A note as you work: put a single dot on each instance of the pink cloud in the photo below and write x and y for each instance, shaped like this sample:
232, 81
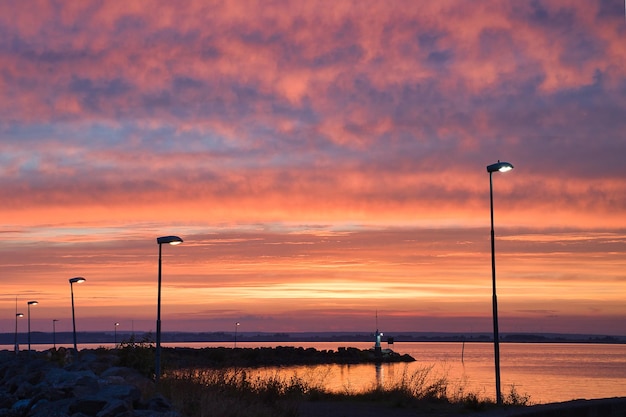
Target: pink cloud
373, 117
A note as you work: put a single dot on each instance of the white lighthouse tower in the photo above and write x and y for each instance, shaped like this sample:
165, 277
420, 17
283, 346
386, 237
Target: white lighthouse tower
377, 348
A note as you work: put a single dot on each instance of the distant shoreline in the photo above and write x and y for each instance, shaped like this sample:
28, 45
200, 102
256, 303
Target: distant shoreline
39, 338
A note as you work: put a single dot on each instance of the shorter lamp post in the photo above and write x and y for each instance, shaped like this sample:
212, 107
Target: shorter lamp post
236, 326
172, 240
17, 346
75, 280
54, 333
30, 303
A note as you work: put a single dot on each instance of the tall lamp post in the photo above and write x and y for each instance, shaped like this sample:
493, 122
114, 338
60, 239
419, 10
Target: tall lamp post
172, 240
17, 347
497, 167
30, 303
54, 333
75, 280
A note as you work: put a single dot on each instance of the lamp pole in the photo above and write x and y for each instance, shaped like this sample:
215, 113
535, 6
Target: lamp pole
54, 333
17, 347
236, 327
30, 303
497, 167
75, 280
172, 240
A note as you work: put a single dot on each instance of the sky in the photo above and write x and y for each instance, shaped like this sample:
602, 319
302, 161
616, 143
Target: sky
323, 161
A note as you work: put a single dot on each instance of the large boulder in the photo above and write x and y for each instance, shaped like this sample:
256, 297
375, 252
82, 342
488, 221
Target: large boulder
89, 385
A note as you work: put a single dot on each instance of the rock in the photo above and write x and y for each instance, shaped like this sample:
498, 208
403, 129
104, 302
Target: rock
20, 405
88, 406
86, 385
7, 400
89, 385
116, 408
159, 403
46, 408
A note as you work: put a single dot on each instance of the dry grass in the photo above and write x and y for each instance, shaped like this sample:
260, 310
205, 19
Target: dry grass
241, 392
238, 393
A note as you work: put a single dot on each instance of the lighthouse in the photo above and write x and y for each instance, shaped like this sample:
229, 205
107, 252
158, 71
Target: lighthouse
377, 349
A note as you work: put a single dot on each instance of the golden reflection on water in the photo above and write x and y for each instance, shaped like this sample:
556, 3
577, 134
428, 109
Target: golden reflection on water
545, 372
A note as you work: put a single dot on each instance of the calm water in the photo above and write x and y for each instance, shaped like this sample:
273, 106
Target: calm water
546, 372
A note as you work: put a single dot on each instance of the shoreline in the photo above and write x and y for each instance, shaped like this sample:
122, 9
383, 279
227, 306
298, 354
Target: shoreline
108, 338
97, 378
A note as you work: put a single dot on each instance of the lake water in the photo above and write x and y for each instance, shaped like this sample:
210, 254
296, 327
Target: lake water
547, 372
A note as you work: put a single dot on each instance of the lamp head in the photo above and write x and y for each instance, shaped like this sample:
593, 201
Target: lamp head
19, 314
499, 166
172, 240
77, 280
32, 303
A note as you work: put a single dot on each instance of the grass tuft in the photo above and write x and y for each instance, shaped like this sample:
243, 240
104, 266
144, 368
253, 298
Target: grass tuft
236, 392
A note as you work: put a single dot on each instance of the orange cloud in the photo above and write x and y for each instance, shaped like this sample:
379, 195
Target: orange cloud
331, 157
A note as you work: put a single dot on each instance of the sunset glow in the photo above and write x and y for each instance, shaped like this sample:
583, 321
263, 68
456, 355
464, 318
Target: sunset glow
323, 162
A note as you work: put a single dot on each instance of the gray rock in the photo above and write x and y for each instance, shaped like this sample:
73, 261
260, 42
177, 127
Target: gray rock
116, 408
87, 406
46, 408
21, 405
88, 385
129, 393
159, 403
7, 400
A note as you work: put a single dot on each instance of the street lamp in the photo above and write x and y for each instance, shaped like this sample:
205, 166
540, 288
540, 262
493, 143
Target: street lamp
172, 240
236, 326
54, 333
75, 280
115, 335
497, 167
17, 347
30, 303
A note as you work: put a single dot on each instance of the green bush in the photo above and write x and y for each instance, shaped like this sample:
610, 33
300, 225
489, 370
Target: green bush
139, 355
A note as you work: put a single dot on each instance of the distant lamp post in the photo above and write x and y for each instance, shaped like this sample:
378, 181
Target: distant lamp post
54, 333
17, 346
76, 280
172, 240
497, 167
115, 334
236, 326
30, 303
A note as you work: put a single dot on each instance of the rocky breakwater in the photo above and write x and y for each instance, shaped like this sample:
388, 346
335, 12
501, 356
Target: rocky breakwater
55, 383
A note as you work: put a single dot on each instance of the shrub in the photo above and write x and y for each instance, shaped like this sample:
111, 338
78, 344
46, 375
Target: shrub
139, 355
515, 398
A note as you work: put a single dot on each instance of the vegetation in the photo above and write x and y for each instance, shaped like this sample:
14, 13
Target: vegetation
238, 393
201, 391
233, 393
138, 354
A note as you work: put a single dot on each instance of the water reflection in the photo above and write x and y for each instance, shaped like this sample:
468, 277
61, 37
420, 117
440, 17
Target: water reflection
529, 367
548, 372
